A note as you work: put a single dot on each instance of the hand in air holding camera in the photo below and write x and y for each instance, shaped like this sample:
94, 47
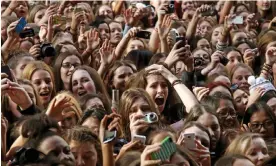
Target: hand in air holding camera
270, 55
35, 50
200, 153
249, 56
114, 125
177, 53
202, 9
145, 156
16, 93
132, 32
77, 17
137, 124
164, 27
216, 58
11, 30
50, 11
251, 21
228, 24
132, 145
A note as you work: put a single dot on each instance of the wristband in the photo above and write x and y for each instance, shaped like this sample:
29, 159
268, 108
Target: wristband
175, 82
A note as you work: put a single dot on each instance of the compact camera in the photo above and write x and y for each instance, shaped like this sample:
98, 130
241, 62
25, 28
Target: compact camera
151, 117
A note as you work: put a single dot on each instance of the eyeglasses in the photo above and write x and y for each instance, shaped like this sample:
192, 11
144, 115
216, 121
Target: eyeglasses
69, 65
226, 113
258, 126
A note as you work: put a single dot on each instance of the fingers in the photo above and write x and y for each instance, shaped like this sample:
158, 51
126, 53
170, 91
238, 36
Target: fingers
4, 75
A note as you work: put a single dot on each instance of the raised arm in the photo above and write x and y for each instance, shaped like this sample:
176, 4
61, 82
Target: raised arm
123, 43
225, 10
163, 30
186, 96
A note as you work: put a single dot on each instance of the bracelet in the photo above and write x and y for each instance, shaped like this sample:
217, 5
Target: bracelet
175, 82
10, 8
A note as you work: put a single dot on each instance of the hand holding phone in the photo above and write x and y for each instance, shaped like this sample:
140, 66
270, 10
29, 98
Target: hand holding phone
143, 34
190, 140
168, 148
20, 26
109, 128
6, 69
238, 20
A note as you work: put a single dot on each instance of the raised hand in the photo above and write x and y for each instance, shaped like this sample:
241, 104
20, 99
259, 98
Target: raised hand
11, 30
50, 11
270, 55
251, 21
176, 54
249, 56
145, 156
93, 40
202, 9
128, 147
55, 109
77, 17
228, 25
215, 58
35, 50
132, 32
16, 93
43, 32
106, 52
137, 123
114, 125
255, 95
164, 27
200, 92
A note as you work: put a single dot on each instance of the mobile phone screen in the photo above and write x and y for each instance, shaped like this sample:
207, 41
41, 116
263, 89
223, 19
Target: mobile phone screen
21, 24
7, 70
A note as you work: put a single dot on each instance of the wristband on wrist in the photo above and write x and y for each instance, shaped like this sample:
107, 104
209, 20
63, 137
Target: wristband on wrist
175, 82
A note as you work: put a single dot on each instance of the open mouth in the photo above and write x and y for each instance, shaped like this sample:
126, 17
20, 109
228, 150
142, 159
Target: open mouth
44, 94
81, 93
159, 100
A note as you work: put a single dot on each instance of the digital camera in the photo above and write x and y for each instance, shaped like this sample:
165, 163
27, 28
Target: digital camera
151, 117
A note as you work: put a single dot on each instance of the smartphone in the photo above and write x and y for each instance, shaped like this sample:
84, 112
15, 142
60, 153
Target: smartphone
174, 34
171, 7
190, 140
238, 20
6, 69
109, 135
21, 24
59, 19
27, 33
141, 138
182, 39
168, 148
143, 34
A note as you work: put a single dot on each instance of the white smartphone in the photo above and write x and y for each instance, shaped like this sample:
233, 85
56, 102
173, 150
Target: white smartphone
109, 136
190, 140
141, 138
238, 20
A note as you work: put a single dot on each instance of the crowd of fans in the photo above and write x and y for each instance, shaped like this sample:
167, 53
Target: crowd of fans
138, 83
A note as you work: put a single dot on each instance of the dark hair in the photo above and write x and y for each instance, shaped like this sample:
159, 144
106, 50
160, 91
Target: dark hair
84, 99
270, 162
94, 76
109, 75
229, 160
83, 134
257, 107
227, 50
213, 85
38, 128
199, 110
159, 130
57, 66
268, 95
156, 58
98, 113
140, 58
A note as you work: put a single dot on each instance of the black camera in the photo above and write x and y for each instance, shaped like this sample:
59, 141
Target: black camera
171, 7
198, 61
47, 50
26, 156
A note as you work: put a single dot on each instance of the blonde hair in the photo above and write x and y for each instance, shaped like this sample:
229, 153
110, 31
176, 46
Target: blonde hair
75, 107
38, 65
241, 143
